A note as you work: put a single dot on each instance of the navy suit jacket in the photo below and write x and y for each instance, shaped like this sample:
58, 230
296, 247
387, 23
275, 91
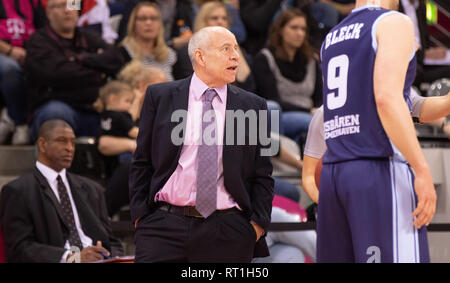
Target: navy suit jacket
33, 223
247, 174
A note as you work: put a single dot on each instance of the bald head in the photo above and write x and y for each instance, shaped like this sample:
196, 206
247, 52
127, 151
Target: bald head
215, 55
56, 143
202, 39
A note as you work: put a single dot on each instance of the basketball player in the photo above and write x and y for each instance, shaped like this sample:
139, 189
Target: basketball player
423, 110
367, 210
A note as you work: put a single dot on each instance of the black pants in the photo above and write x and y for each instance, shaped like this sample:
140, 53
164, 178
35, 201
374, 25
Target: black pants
166, 237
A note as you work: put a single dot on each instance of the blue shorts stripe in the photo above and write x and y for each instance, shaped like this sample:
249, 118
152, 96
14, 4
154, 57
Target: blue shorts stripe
413, 205
394, 213
406, 236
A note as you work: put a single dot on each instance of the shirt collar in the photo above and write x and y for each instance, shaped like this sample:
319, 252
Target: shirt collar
201, 87
49, 173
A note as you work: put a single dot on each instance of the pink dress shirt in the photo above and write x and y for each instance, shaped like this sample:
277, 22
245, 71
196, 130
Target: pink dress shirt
180, 189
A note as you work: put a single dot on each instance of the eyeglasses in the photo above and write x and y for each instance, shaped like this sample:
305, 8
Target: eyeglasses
216, 18
59, 6
146, 18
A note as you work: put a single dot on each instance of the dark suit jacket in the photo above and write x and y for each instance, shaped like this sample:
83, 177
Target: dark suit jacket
247, 174
32, 223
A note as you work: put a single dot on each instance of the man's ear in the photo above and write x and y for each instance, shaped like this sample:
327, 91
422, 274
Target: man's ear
199, 57
41, 143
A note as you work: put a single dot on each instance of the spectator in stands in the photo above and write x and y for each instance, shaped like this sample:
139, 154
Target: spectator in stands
177, 17
66, 67
320, 16
18, 23
257, 16
139, 77
344, 7
64, 211
145, 39
114, 103
95, 15
214, 13
288, 75
111, 147
236, 26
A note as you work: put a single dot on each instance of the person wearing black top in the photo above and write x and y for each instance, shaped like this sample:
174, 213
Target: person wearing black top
215, 13
288, 75
65, 67
114, 103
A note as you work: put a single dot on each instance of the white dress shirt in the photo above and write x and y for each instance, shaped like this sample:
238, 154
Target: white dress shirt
51, 176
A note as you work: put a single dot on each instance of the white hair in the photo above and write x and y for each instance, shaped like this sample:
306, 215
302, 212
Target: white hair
201, 40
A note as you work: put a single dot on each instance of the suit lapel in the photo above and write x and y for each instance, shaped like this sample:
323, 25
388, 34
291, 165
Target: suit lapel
232, 104
88, 219
48, 192
180, 100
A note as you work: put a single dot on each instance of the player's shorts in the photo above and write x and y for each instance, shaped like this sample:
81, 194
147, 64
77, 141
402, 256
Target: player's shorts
365, 213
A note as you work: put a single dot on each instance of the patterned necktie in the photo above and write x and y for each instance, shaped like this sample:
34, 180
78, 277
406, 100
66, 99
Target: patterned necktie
206, 197
74, 238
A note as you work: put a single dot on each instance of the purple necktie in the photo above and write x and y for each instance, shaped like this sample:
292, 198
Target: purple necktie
206, 198
66, 206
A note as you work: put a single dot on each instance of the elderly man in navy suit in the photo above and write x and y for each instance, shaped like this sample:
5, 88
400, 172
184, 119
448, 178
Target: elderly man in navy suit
199, 200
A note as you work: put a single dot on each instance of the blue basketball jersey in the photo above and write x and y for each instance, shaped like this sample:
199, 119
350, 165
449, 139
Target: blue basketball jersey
352, 127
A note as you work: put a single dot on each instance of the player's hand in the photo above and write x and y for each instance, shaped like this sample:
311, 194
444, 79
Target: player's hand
314, 195
426, 195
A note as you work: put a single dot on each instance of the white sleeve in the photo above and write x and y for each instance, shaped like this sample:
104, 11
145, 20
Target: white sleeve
64, 257
315, 142
416, 103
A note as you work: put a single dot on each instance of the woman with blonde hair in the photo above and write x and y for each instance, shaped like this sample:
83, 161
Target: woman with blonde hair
145, 39
139, 77
134, 77
214, 13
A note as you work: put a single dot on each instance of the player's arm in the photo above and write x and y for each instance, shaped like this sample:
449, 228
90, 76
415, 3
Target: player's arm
308, 177
434, 108
315, 148
395, 38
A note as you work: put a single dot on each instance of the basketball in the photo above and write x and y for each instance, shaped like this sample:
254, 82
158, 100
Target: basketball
317, 172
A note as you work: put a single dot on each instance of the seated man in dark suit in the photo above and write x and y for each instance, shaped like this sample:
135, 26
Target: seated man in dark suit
49, 213
198, 199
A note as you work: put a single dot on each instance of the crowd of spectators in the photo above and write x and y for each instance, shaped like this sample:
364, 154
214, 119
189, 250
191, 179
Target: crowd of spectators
58, 62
